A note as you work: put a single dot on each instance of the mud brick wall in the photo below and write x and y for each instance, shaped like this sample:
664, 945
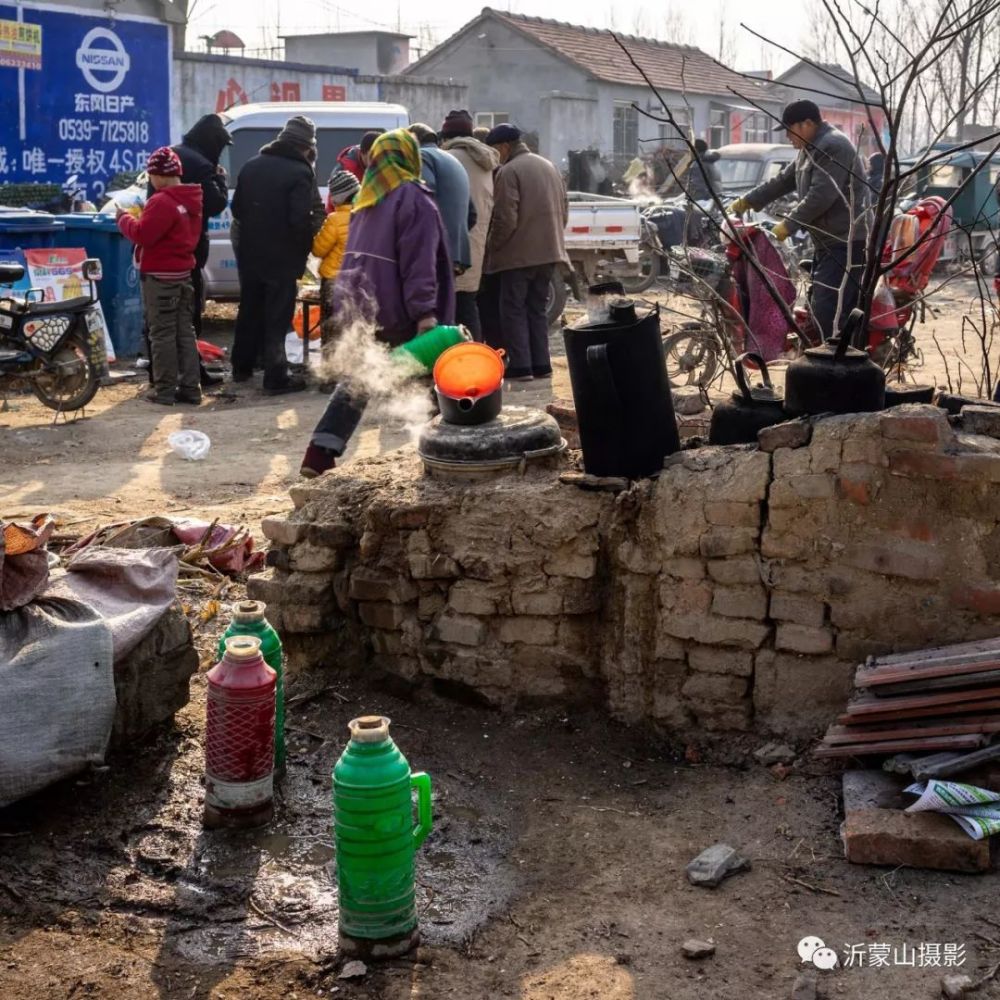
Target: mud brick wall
738, 590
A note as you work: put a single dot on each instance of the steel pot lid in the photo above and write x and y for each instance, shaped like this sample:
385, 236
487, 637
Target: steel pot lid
515, 431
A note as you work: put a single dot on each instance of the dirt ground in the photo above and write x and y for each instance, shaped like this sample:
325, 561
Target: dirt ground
556, 867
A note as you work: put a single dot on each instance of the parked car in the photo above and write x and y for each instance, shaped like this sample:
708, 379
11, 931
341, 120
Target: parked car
744, 165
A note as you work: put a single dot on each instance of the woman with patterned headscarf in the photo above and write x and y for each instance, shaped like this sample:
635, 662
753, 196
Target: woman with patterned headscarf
396, 274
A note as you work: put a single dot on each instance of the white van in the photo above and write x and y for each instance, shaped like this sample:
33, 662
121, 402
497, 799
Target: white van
338, 125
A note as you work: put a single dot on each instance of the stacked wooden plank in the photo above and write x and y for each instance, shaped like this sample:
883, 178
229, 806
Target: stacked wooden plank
946, 698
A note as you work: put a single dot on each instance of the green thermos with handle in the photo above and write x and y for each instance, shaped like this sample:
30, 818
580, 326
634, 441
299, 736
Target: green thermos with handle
427, 347
376, 840
248, 619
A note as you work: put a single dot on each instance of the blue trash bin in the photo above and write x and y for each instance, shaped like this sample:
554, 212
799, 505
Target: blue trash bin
28, 230
119, 290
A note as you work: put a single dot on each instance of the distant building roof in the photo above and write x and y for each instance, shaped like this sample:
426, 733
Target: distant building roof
349, 34
837, 80
595, 51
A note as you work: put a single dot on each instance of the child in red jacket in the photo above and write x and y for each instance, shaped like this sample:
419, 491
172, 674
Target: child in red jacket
165, 236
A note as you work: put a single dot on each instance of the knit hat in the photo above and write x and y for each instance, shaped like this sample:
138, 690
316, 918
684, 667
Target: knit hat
342, 186
164, 162
503, 133
299, 130
457, 123
368, 140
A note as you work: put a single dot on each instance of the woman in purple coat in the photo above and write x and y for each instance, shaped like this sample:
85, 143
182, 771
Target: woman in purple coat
396, 265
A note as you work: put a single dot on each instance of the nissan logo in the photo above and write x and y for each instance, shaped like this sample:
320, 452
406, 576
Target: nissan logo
96, 63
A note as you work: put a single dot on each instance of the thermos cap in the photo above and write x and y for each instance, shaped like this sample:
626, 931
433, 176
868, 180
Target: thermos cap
369, 729
242, 647
248, 611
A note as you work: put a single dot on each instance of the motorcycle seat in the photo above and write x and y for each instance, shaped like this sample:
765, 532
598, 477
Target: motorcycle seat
49, 308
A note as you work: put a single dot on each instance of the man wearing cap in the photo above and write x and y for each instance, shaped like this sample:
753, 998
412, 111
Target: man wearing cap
525, 244
278, 211
829, 182
479, 162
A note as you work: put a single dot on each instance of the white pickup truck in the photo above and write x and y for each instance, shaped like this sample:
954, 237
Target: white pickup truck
603, 240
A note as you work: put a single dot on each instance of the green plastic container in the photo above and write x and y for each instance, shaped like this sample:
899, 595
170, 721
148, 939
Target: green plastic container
427, 347
248, 619
376, 840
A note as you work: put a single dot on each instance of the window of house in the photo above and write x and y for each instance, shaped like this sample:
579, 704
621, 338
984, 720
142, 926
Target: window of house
626, 130
758, 127
490, 119
718, 128
669, 136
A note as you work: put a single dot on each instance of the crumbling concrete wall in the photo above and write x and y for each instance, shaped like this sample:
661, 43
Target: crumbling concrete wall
740, 589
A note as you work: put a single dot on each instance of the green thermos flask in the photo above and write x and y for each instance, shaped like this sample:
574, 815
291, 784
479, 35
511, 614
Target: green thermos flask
376, 839
248, 619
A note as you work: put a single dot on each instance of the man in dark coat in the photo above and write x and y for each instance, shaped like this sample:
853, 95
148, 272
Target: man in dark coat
199, 151
278, 210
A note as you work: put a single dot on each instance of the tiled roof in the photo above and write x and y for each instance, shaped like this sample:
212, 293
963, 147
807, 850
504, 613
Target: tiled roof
671, 67
835, 79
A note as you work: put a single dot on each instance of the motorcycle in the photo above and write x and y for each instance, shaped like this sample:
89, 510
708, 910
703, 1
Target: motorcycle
55, 349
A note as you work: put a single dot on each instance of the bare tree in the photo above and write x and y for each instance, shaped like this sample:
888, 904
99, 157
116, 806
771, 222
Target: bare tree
728, 43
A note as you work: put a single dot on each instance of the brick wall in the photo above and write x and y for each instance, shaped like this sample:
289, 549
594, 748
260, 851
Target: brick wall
737, 591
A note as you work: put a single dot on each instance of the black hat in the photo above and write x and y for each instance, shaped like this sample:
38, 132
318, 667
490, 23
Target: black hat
503, 133
797, 112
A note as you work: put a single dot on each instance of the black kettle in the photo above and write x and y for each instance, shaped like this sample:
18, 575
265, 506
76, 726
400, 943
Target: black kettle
737, 420
835, 377
618, 372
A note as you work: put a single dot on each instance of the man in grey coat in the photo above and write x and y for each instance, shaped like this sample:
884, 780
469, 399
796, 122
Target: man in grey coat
527, 241
830, 185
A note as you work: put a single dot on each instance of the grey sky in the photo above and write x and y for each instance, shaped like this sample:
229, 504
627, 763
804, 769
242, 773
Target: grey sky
257, 21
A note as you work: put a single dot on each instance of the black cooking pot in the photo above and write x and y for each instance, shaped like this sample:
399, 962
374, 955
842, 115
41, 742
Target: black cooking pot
470, 410
737, 420
619, 377
899, 393
835, 377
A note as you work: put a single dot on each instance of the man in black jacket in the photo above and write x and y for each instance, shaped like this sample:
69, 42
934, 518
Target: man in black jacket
278, 210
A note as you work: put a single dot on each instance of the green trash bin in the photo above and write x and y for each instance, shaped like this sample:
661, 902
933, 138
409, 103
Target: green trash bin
119, 290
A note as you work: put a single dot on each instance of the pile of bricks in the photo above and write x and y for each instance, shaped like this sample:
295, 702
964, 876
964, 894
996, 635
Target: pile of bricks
737, 590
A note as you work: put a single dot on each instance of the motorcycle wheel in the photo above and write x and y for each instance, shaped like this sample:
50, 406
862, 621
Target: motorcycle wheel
649, 272
692, 356
556, 302
75, 382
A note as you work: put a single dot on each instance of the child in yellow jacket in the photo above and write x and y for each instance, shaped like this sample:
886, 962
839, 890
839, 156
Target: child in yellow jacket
331, 241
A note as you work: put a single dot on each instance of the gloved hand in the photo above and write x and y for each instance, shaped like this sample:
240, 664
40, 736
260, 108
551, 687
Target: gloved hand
739, 207
782, 230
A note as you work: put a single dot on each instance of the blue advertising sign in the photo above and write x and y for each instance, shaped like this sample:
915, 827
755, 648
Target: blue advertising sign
98, 106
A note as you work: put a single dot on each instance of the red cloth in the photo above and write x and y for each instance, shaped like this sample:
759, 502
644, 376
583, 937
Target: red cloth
168, 230
350, 160
765, 324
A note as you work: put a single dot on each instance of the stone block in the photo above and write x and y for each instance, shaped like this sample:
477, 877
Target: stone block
152, 681
790, 462
388, 643
307, 619
462, 630
424, 566
981, 420
532, 631
280, 588
308, 557
740, 570
332, 534
982, 600
370, 584
797, 696
571, 563
549, 602
688, 400
876, 831
430, 605
719, 542
856, 491
710, 630
684, 568
897, 557
717, 717
382, 614
799, 610
564, 412
740, 602
283, 531
715, 660
982, 467
408, 518
669, 648
864, 451
580, 597
921, 423
824, 453
733, 515
776, 544
473, 597
715, 687
790, 434
684, 597
803, 639
714, 864
814, 486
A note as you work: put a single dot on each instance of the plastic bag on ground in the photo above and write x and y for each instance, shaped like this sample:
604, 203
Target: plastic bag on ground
192, 445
